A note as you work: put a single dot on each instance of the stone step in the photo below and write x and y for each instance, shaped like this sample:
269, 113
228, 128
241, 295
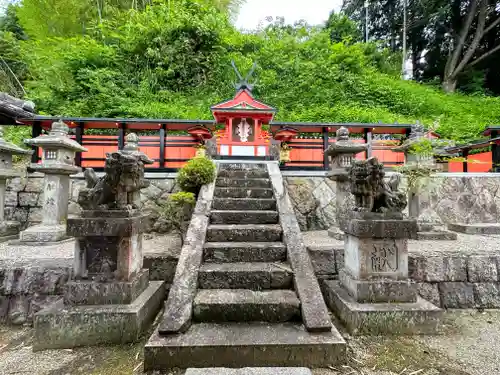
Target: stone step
244, 305
244, 204
243, 182
249, 344
228, 252
244, 217
243, 173
254, 276
249, 371
244, 233
242, 166
241, 192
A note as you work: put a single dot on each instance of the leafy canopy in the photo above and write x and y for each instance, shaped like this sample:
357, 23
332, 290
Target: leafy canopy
171, 59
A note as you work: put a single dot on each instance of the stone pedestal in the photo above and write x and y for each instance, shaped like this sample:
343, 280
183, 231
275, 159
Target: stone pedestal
110, 300
344, 203
426, 230
374, 294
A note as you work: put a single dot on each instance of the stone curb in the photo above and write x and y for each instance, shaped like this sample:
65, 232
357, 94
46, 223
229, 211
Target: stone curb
314, 311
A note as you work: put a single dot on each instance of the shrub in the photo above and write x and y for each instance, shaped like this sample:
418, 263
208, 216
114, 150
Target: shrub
176, 214
196, 173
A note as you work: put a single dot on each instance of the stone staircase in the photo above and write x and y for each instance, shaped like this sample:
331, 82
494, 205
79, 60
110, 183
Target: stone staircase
246, 309
245, 275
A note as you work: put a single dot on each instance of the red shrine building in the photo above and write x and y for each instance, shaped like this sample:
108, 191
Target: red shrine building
243, 117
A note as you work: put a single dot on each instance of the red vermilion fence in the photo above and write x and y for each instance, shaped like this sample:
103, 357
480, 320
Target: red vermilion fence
170, 151
309, 152
481, 162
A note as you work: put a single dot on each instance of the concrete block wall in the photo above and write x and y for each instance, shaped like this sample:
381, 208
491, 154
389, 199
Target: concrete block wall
448, 281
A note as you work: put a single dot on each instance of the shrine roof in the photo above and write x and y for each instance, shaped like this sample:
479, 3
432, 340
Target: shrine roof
182, 124
106, 123
472, 145
242, 101
377, 128
491, 128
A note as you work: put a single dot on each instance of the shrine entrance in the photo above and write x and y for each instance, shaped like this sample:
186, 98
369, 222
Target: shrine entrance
243, 117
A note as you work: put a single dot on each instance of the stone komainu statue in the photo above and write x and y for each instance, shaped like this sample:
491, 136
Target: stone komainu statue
120, 187
372, 193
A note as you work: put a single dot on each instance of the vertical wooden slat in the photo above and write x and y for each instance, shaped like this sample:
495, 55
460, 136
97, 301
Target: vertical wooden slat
465, 154
121, 135
326, 161
367, 136
79, 138
163, 131
36, 131
495, 153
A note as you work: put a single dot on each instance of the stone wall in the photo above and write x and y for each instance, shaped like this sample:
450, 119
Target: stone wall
27, 287
461, 198
449, 280
24, 198
313, 200
445, 198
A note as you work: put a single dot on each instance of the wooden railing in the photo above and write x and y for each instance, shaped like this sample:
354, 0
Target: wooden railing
161, 141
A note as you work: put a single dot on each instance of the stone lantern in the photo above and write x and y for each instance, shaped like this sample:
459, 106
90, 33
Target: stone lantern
58, 155
342, 154
8, 229
427, 229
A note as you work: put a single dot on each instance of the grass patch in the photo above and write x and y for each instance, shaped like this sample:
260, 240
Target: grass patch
399, 353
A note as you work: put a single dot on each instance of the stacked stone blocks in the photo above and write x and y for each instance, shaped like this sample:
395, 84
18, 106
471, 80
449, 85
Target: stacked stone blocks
446, 280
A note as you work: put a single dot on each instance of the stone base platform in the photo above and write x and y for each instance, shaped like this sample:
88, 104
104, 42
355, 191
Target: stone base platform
12, 237
239, 345
9, 230
250, 371
60, 326
478, 228
437, 235
336, 233
18, 242
421, 317
44, 233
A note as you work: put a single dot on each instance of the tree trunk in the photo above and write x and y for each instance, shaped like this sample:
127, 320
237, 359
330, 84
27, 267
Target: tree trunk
449, 85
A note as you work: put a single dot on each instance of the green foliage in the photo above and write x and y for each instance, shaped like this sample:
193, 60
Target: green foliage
182, 198
342, 29
171, 59
196, 173
176, 213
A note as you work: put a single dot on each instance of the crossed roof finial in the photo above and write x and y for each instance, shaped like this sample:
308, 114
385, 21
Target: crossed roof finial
243, 82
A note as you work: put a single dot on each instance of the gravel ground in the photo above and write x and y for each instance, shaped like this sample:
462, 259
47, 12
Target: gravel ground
468, 345
465, 244
64, 252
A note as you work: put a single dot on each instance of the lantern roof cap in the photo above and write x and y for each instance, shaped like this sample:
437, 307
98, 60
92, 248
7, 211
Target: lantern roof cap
344, 145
